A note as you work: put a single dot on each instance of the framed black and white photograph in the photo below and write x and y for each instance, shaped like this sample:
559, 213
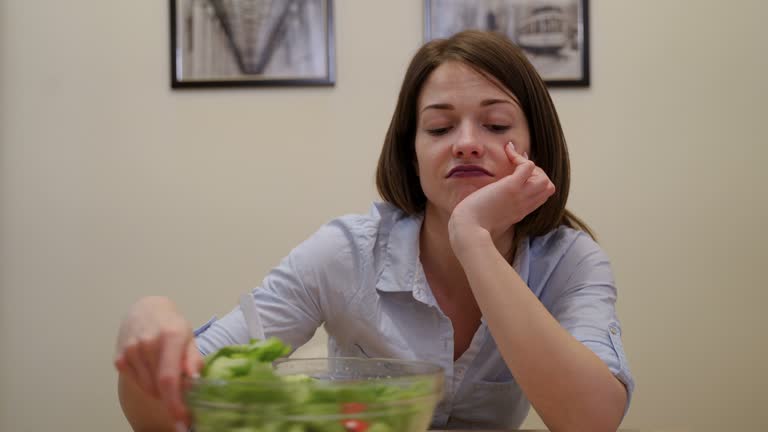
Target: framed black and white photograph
221, 43
553, 33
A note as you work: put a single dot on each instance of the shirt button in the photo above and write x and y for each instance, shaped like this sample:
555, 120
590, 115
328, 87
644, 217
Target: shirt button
459, 373
614, 331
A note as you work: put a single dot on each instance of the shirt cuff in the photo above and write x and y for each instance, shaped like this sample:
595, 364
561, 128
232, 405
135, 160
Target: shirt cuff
200, 330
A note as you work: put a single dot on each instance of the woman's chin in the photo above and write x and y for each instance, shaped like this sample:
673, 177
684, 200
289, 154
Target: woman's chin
448, 205
464, 192
458, 198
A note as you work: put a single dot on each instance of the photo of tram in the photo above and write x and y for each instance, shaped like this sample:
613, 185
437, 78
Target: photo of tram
546, 31
553, 33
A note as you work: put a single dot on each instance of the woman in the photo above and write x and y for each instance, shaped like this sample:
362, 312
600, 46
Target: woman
472, 262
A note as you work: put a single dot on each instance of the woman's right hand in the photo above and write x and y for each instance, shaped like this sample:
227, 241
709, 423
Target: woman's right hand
156, 349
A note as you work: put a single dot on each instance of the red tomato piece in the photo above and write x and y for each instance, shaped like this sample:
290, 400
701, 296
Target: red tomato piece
355, 425
353, 407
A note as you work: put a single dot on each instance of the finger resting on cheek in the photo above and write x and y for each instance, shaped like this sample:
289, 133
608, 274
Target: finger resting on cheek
529, 167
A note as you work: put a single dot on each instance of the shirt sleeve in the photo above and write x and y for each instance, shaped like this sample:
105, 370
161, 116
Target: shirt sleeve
295, 298
582, 294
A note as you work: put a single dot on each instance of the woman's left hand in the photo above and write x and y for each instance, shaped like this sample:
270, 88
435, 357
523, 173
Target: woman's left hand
497, 207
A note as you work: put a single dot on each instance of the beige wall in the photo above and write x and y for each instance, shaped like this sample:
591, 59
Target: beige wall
113, 186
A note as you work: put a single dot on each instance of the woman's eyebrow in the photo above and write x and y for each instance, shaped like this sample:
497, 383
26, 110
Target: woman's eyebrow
484, 103
496, 101
439, 106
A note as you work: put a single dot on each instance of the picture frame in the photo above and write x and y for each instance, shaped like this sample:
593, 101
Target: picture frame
554, 34
234, 43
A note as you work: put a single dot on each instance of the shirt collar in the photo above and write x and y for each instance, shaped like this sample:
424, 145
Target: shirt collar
402, 267
402, 270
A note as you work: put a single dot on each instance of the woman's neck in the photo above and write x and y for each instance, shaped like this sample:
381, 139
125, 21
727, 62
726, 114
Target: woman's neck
433, 241
437, 256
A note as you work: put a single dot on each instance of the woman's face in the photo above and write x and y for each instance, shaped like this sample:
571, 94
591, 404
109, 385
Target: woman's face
463, 123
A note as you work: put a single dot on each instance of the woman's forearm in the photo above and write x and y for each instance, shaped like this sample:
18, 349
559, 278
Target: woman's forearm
568, 385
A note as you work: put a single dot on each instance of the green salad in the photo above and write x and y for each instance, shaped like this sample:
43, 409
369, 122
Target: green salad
240, 391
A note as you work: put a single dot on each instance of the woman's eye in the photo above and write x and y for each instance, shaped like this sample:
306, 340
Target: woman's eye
497, 128
438, 131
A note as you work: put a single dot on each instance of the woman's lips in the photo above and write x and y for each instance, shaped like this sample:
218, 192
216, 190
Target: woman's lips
468, 171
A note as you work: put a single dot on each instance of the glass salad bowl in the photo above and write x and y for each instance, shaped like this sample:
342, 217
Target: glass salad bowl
315, 395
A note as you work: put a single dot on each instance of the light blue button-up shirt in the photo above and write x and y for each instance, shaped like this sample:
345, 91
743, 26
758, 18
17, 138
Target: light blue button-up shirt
360, 276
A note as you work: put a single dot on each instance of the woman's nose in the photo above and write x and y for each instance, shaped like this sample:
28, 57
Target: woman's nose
468, 143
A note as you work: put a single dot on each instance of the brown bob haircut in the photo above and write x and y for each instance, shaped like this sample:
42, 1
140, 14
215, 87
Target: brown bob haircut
505, 65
